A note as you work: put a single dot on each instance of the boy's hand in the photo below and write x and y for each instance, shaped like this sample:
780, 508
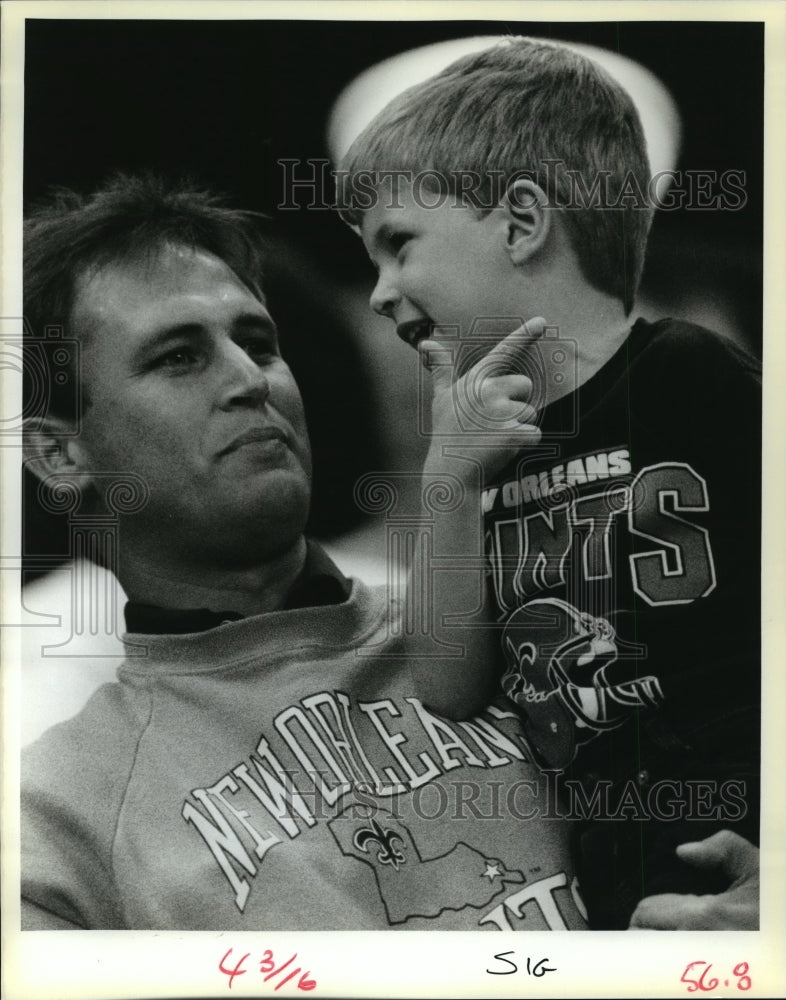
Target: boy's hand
735, 909
480, 422
492, 397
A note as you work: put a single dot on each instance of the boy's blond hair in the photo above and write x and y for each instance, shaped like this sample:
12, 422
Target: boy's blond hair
523, 108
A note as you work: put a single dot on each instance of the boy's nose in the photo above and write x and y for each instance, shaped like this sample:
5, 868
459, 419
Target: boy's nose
384, 297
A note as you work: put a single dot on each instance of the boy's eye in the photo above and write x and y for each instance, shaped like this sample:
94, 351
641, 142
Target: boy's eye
397, 241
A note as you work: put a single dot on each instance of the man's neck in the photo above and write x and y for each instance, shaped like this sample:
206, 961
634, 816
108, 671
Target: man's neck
250, 590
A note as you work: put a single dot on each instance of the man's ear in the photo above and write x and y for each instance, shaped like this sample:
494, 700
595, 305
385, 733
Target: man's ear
51, 448
528, 219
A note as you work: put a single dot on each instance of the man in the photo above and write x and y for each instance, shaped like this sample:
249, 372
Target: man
267, 764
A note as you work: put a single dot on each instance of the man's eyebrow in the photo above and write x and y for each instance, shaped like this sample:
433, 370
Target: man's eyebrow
193, 330
165, 334
255, 321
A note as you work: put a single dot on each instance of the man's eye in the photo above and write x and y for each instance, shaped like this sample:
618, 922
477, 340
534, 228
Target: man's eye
260, 351
180, 358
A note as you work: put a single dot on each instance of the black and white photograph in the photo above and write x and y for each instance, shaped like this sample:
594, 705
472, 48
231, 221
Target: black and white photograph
391, 492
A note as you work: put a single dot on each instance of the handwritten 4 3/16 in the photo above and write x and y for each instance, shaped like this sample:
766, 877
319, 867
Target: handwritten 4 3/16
268, 969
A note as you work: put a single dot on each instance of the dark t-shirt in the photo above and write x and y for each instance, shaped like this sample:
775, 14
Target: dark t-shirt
625, 554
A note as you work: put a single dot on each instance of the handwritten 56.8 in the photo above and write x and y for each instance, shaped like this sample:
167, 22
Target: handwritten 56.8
700, 979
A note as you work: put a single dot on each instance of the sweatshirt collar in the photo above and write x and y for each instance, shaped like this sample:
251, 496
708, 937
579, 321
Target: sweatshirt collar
320, 583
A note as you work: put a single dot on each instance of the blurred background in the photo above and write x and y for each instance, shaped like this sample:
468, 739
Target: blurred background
225, 101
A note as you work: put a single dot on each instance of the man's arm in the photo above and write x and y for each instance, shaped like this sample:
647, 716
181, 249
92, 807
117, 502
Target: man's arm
735, 909
459, 685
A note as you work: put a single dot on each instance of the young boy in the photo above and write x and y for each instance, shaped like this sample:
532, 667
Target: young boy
624, 546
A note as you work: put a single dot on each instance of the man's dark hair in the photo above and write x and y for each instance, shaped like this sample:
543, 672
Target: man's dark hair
129, 217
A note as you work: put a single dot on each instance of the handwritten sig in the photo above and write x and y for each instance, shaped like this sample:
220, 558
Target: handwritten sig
268, 969
538, 969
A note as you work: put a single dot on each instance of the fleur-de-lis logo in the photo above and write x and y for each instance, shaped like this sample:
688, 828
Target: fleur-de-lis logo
387, 853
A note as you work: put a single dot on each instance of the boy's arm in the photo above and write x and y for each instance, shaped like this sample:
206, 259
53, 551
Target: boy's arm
459, 685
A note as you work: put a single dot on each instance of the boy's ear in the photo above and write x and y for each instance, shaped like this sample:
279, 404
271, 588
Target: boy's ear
528, 219
51, 448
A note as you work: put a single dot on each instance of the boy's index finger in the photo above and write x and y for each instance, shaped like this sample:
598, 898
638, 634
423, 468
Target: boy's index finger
518, 342
439, 360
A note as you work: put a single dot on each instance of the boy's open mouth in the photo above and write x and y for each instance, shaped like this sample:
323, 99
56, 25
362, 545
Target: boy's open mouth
413, 331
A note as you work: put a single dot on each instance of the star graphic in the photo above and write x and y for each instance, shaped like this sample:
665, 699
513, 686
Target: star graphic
492, 871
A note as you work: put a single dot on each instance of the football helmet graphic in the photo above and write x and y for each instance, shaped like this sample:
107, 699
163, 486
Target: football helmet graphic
564, 674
